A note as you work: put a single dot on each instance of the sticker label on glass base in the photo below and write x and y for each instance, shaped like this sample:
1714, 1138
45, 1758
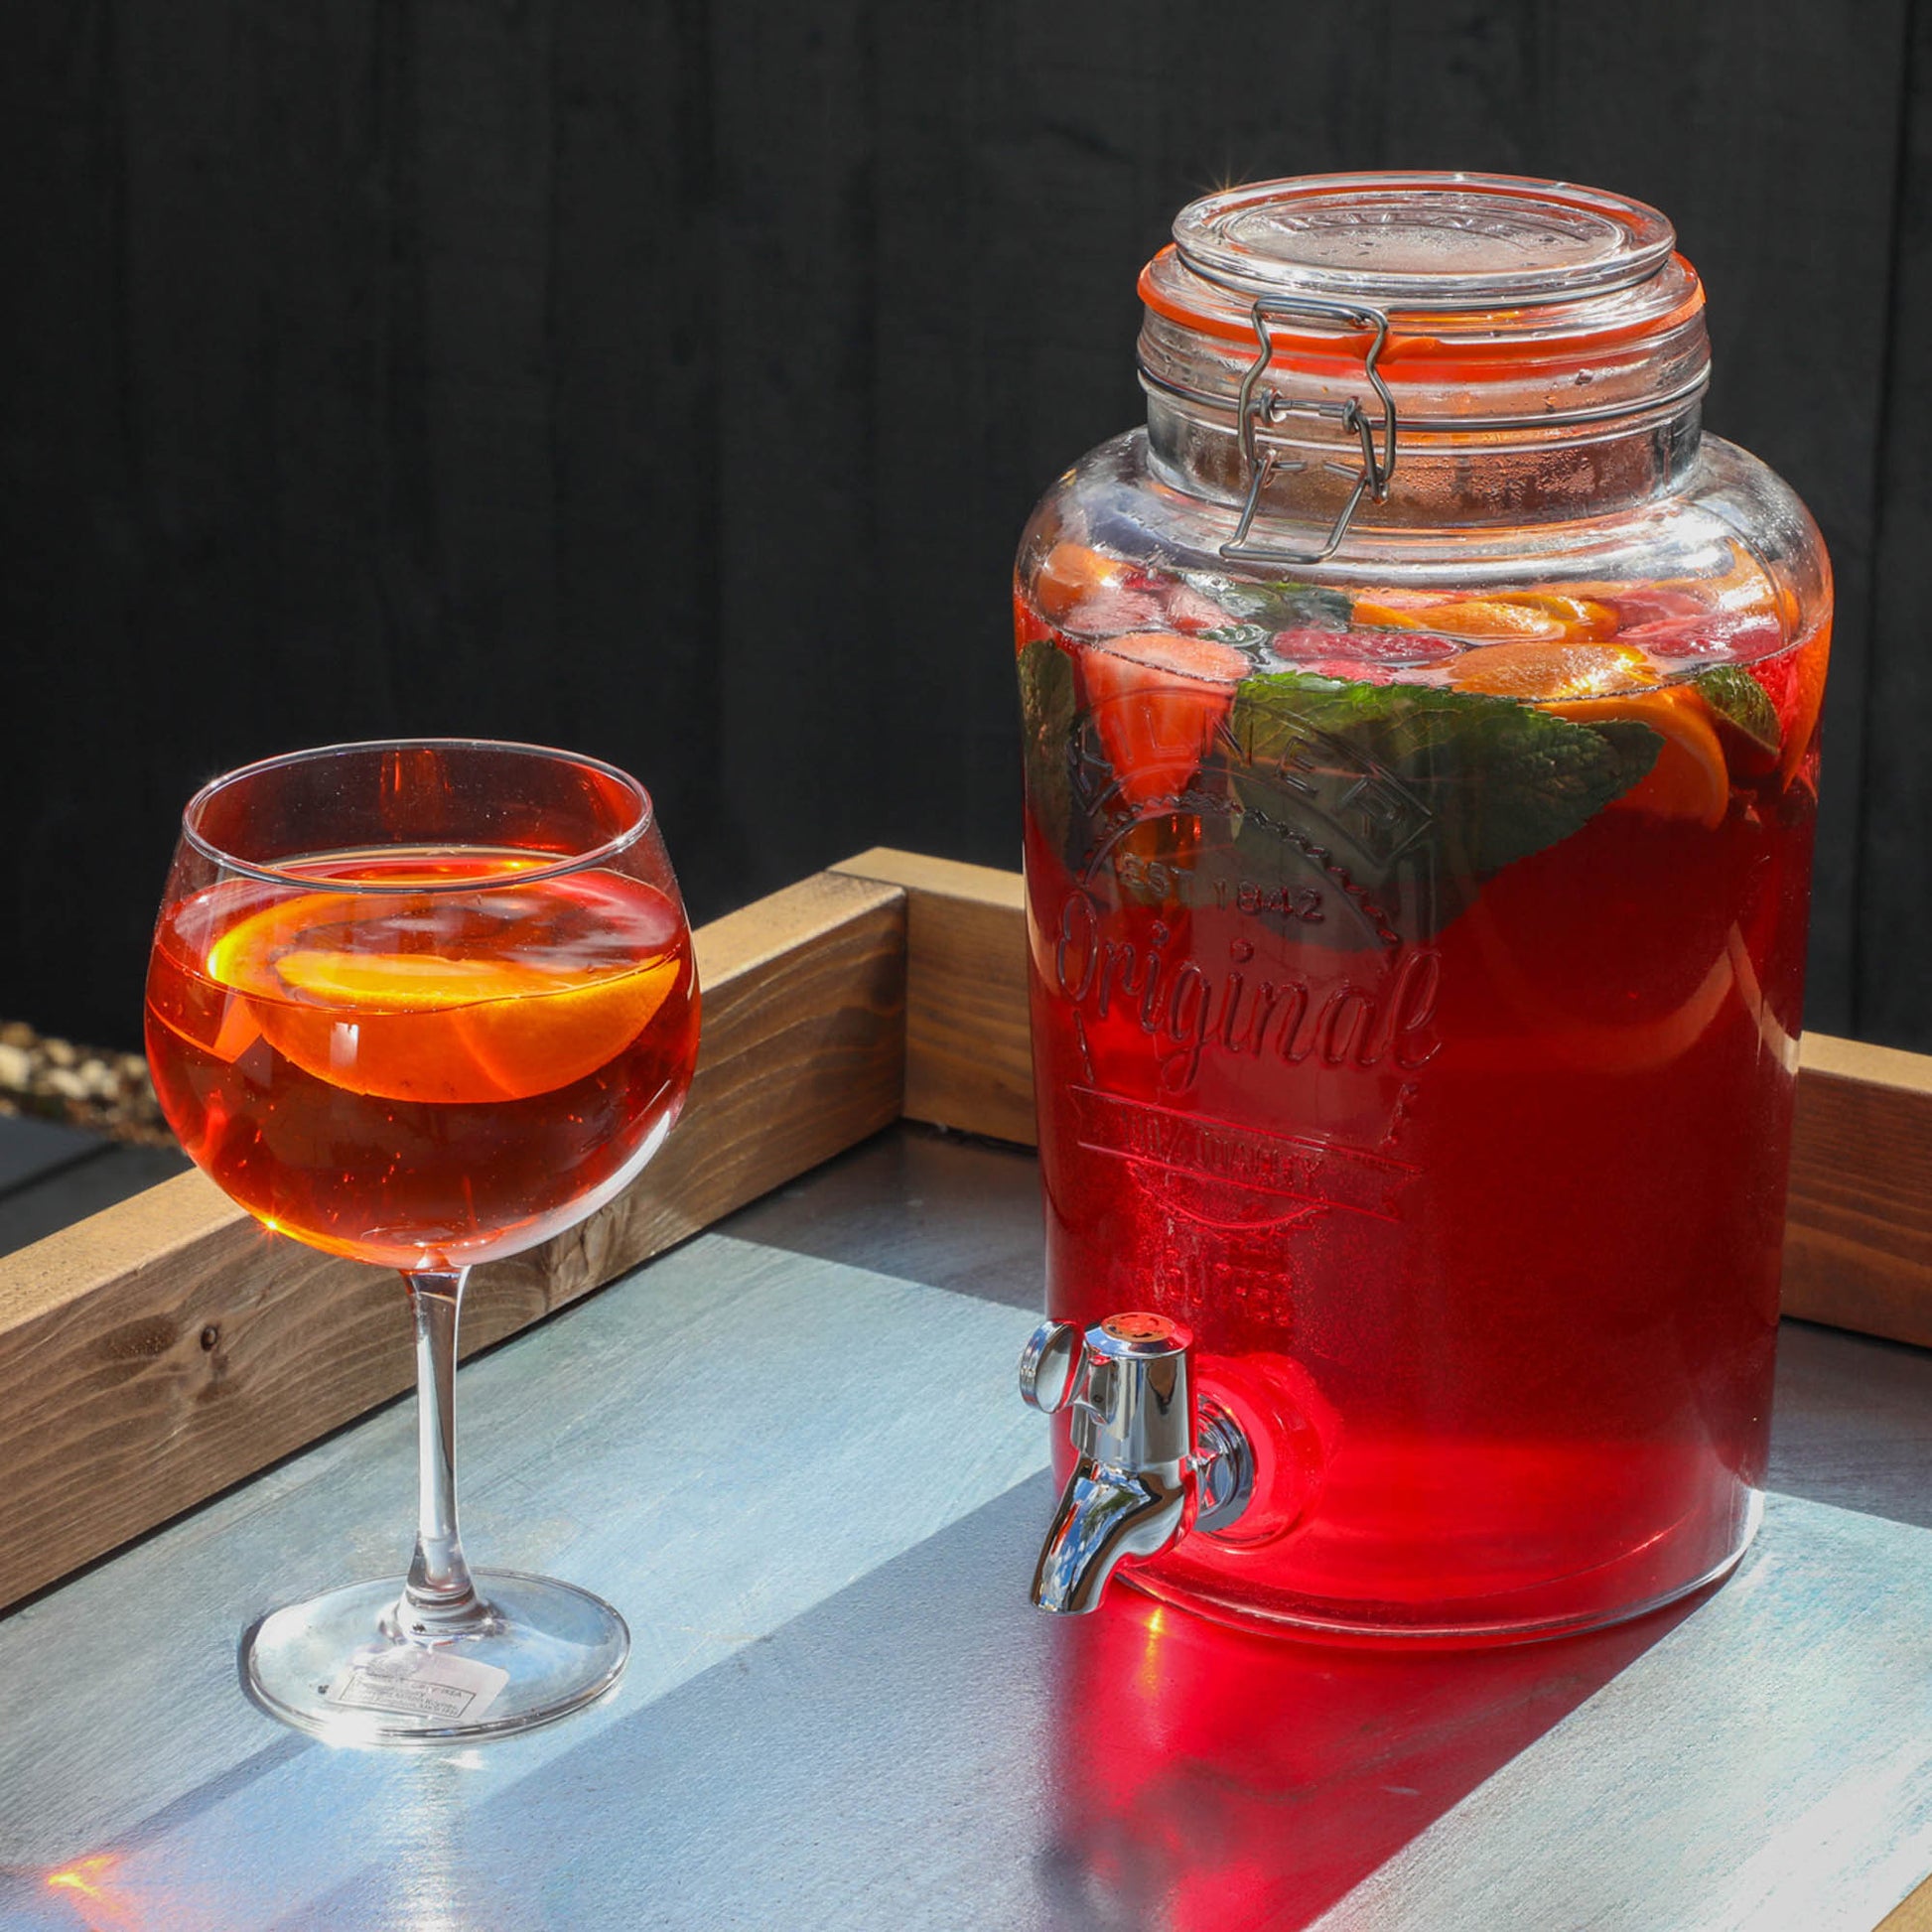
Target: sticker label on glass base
409, 1682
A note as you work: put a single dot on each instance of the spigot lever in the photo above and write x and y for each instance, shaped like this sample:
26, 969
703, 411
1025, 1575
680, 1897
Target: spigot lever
1148, 1469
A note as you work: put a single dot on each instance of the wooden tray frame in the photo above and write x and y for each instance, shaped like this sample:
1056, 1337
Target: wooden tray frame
168, 1347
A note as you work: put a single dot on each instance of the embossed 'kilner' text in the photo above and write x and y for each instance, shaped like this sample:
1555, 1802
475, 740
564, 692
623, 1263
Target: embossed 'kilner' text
1363, 1021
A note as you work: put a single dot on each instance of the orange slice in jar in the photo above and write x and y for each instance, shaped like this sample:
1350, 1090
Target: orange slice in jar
1690, 779
1601, 684
1546, 671
1387, 597
1071, 574
1583, 616
1371, 611
424, 1026
1543, 616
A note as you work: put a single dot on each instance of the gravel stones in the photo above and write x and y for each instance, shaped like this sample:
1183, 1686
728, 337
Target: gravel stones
78, 1086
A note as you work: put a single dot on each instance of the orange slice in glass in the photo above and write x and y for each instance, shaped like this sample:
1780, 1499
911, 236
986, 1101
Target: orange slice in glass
537, 1045
423, 1027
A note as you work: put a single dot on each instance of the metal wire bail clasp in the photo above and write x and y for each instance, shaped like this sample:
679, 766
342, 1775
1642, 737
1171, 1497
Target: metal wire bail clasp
1270, 407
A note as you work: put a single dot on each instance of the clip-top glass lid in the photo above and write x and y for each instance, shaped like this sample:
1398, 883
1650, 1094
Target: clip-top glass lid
1424, 241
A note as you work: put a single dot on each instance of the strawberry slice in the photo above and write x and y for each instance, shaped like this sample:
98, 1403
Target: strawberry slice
1157, 700
1717, 635
1637, 604
1348, 670
1794, 681
1113, 607
1187, 610
1141, 602
1392, 649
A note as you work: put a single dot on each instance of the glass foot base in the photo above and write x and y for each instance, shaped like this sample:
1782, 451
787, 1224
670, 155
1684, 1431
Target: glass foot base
328, 1666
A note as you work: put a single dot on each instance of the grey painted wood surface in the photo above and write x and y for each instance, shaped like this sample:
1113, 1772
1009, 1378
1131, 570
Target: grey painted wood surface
699, 1450
1766, 1765
928, 1206
51, 1176
878, 1765
674, 381
807, 1483
30, 1150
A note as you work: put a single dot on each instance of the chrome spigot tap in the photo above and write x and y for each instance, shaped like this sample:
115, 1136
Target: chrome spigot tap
1148, 1469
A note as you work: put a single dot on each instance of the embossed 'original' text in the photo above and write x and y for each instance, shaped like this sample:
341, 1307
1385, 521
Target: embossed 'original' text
1334, 1021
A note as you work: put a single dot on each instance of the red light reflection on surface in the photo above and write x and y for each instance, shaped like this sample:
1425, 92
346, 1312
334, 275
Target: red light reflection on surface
91, 1879
1209, 1777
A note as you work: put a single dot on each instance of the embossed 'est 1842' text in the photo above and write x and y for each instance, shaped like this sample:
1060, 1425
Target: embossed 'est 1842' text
1298, 1018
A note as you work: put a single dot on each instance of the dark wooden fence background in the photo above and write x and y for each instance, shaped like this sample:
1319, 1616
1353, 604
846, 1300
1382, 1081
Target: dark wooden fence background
673, 379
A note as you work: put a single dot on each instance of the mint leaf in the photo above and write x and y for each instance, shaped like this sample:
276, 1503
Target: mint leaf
1047, 740
1399, 800
1279, 605
1636, 746
1738, 701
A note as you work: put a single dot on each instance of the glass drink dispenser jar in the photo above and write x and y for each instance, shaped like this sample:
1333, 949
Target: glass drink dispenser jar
1421, 731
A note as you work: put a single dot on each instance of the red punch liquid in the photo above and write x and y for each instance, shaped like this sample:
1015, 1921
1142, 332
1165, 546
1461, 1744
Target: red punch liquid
1436, 1068
423, 1078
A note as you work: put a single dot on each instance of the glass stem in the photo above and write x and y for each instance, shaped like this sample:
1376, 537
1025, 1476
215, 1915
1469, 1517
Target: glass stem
439, 1598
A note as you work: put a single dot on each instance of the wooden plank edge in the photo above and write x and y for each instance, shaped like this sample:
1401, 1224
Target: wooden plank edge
1858, 1246
1912, 1913
968, 1061
1873, 1066
158, 1351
